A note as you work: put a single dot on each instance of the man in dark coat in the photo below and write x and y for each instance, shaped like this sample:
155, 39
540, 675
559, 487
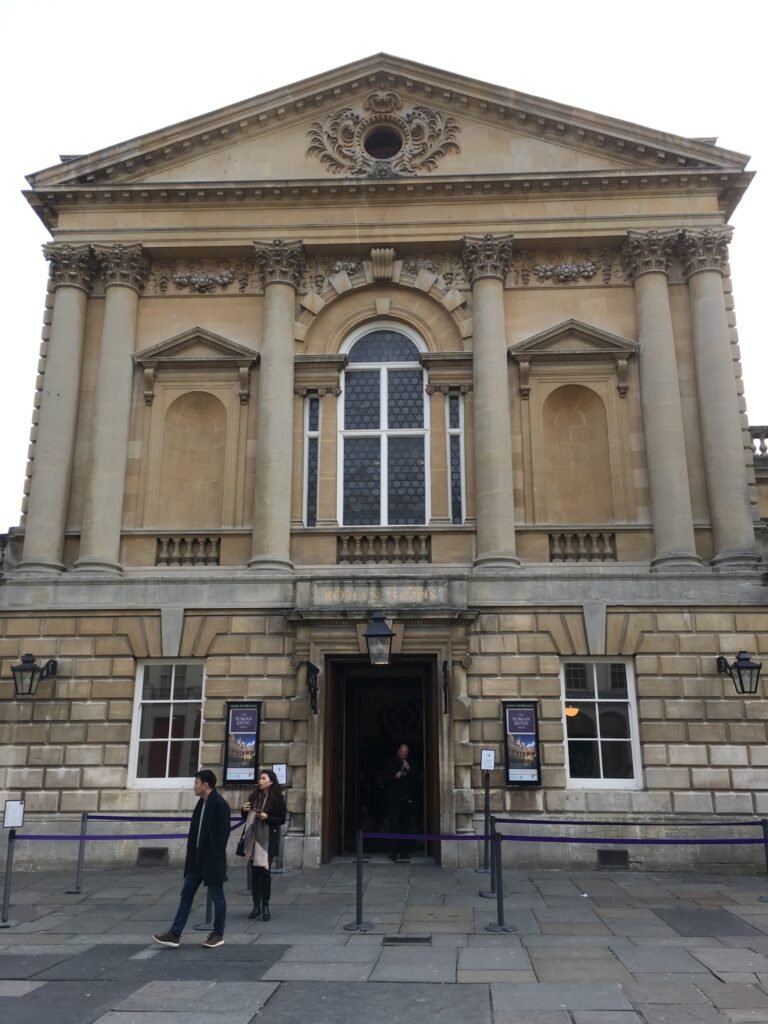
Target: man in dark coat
401, 780
206, 861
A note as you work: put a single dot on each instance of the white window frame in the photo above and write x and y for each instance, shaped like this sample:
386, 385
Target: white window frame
634, 728
311, 435
179, 782
451, 432
384, 433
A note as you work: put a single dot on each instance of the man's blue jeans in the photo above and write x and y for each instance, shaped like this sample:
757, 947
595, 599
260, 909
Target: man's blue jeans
215, 890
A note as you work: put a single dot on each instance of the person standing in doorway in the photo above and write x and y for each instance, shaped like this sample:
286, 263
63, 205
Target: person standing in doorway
264, 813
206, 861
401, 780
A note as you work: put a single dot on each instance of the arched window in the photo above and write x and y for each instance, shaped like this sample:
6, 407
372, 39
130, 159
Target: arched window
383, 432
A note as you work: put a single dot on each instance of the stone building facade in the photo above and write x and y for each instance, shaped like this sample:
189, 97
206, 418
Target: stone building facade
391, 339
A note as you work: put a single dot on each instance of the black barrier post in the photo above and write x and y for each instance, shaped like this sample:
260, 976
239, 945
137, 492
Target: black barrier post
486, 823
208, 923
80, 856
279, 869
499, 925
5, 923
764, 823
359, 925
491, 893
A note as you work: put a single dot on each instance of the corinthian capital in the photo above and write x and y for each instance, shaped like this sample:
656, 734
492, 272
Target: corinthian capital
70, 264
123, 264
647, 251
704, 249
281, 261
486, 256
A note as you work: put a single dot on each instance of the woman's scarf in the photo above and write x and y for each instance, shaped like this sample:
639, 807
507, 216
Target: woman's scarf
257, 836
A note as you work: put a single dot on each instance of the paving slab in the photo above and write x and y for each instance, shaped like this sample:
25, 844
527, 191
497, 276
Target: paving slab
287, 971
731, 960
379, 1003
733, 996
607, 968
669, 993
199, 996
681, 1014
16, 989
495, 958
705, 922
554, 996
74, 1002
669, 960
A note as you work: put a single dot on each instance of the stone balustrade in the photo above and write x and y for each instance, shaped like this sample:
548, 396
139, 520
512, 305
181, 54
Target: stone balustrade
392, 548
759, 437
188, 550
582, 546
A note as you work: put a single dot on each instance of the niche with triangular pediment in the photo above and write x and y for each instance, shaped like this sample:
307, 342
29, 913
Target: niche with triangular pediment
196, 390
573, 382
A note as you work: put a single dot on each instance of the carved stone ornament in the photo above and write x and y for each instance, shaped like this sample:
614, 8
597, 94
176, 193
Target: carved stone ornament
486, 256
563, 268
704, 249
70, 264
123, 264
281, 261
648, 251
201, 277
424, 136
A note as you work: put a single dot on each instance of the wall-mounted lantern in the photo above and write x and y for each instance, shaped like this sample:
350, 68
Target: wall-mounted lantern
27, 674
313, 684
743, 672
378, 637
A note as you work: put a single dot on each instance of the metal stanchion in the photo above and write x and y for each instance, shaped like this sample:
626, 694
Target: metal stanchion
279, 868
359, 925
764, 823
491, 893
486, 824
80, 857
499, 925
208, 923
5, 923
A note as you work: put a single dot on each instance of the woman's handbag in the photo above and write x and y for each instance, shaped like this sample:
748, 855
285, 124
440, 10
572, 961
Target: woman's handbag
240, 848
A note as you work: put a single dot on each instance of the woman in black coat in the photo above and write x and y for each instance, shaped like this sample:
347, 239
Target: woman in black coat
264, 813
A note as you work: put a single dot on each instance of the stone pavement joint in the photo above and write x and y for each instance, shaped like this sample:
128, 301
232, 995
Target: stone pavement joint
608, 948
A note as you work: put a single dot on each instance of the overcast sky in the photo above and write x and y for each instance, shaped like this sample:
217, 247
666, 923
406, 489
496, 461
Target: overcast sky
79, 76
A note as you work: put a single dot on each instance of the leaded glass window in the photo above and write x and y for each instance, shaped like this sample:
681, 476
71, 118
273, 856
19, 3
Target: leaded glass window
167, 723
383, 426
455, 427
311, 458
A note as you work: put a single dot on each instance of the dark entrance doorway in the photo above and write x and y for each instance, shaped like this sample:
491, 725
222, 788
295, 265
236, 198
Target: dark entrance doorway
370, 712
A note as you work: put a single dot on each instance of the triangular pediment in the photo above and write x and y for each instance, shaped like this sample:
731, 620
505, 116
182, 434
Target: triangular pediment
297, 134
572, 339
196, 347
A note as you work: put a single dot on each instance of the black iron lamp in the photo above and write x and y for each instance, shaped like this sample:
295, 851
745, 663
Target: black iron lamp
27, 674
313, 684
743, 673
378, 637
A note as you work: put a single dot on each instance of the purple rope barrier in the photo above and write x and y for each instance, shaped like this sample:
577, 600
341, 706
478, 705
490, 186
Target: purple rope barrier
411, 835
633, 842
96, 839
123, 817
589, 821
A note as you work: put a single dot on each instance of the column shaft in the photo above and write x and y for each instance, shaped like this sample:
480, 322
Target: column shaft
671, 513
54, 448
274, 438
103, 508
494, 494
732, 526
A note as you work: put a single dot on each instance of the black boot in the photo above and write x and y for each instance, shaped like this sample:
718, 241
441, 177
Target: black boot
256, 890
265, 914
266, 892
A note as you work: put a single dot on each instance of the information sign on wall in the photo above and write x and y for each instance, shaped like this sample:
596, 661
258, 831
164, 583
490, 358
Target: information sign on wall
521, 742
241, 753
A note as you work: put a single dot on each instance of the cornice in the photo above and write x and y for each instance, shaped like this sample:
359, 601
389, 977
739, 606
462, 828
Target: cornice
728, 185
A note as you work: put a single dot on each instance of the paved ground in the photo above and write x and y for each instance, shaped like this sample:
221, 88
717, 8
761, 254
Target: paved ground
590, 948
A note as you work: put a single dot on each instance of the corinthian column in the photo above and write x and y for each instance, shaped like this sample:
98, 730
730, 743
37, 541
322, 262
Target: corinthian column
282, 264
72, 270
705, 254
124, 269
486, 261
646, 257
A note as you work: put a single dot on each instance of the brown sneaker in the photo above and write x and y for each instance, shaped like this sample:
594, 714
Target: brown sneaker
214, 940
168, 939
